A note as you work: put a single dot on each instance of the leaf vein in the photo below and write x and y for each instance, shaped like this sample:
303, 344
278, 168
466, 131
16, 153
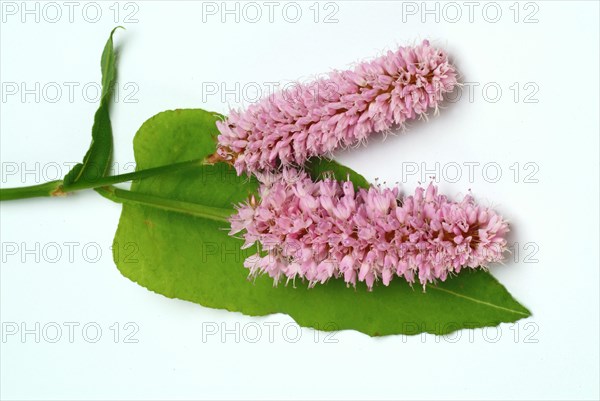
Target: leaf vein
480, 301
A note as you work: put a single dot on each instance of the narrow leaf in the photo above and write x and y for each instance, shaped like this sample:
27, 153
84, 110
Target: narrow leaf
96, 161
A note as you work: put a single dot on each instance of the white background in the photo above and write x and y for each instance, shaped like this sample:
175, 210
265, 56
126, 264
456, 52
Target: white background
171, 56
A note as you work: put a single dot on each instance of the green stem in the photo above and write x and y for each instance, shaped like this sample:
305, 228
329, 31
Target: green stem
56, 188
52, 188
136, 175
193, 209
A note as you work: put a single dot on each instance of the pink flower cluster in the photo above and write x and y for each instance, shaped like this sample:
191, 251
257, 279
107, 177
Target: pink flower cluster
319, 230
339, 111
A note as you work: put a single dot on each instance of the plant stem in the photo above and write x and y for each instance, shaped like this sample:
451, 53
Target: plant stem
193, 209
51, 188
57, 188
136, 175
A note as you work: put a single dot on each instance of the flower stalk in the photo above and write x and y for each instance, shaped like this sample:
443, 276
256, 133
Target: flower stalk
118, 195
57, 188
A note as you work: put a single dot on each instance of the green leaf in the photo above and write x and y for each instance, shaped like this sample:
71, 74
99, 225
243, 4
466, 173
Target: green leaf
193, 258
108, 66
96, 161
321, 168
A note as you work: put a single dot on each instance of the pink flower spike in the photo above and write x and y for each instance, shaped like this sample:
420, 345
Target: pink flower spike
329, 229
335, 112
